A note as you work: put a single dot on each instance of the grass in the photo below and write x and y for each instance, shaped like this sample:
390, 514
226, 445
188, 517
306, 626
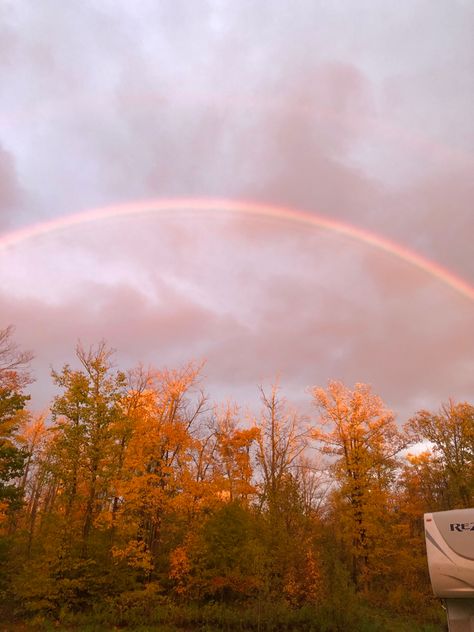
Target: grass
213, 617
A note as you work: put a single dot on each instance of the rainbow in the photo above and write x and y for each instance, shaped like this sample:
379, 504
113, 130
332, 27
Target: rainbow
203, 205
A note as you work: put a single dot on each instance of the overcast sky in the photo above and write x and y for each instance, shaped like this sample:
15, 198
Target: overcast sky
357, 110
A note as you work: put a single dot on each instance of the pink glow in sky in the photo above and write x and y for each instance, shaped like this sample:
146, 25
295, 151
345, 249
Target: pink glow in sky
357, 112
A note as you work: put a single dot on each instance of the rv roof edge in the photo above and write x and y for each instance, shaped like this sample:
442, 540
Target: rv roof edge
450, 551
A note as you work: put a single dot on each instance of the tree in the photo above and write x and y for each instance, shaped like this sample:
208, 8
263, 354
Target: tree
357, 429
451, 433
14, 376
139, 383
85, 415
12, 455
281, 441
233, 446
14, 363
223, 558
34, 437
156, 463
285, 522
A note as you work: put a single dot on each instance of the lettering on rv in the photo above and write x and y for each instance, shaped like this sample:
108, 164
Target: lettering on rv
461, 526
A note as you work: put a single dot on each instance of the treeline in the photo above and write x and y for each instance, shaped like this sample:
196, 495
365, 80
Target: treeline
137, 500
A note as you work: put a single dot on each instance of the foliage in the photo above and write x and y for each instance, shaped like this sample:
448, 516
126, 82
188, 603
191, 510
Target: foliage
13, 378
356, 428
451, 434
135, 503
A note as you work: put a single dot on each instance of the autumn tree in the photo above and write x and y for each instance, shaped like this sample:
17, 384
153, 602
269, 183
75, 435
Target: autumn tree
84, 416
286, 524
34, 437
450, 432
14, 363
423, 486
281, 441
68, 484
133, 405
233, 454
137, 493
439, 478
360, 434
156, 474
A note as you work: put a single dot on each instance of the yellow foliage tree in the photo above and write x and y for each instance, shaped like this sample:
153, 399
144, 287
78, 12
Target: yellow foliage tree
357, 429
451, 434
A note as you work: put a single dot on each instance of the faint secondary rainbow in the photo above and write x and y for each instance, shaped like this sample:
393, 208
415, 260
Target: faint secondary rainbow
202, 205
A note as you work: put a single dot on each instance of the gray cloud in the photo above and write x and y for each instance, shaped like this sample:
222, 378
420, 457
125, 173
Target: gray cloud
359, 111
10, 194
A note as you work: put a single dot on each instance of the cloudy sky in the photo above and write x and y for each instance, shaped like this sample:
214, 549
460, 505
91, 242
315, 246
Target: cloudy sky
356, 110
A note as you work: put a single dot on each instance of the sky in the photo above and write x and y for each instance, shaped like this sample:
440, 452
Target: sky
357, 111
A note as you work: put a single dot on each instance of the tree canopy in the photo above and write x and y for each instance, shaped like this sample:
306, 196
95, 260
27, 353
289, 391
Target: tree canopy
135, 490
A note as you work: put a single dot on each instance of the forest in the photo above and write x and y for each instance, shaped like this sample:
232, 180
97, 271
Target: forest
136, 502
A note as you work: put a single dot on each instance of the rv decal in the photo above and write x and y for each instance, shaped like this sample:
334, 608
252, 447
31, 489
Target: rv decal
461, 526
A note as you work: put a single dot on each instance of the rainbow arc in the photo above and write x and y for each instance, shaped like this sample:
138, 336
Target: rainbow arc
244, 208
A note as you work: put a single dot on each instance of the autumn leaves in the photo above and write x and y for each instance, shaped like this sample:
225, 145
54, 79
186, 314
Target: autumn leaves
136, 480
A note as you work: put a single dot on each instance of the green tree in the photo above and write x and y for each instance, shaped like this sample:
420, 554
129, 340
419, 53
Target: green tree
12, 455
14, 376
225, 559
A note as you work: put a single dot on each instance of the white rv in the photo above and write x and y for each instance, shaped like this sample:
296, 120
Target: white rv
450, 550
